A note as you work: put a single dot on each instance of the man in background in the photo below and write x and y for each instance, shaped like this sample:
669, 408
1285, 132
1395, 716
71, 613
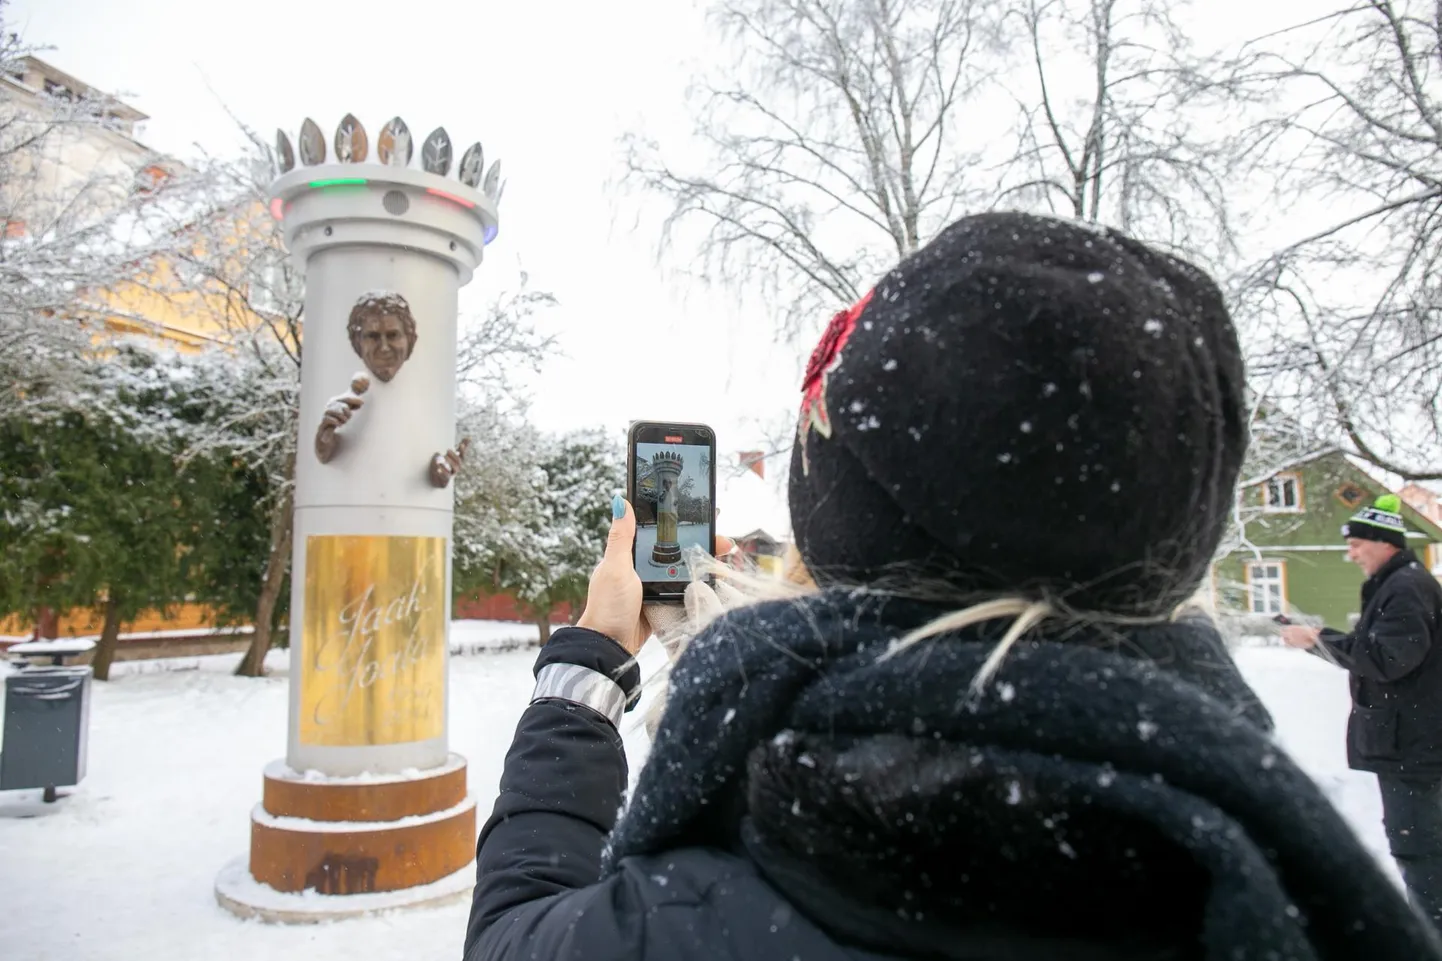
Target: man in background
1394, 656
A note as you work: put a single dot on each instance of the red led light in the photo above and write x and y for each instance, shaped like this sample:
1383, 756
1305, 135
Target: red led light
451, 197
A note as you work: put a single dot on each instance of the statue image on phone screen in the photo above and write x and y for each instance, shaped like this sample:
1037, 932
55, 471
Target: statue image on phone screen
673, 507
667, 467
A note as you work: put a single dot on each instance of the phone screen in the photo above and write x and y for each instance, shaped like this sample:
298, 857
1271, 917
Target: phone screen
673, 492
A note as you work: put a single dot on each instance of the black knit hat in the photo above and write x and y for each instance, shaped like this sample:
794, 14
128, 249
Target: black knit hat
1025, 405
1382, 521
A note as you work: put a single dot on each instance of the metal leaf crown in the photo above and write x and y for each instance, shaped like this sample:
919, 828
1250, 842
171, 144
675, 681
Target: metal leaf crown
394, 148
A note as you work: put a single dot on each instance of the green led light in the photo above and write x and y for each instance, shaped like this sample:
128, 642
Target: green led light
340, 182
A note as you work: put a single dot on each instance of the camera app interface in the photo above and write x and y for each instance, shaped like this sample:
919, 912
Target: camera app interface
673, 508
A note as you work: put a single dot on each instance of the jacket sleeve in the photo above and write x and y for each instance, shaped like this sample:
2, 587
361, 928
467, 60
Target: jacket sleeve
538, 861
1394, 644
1330, 650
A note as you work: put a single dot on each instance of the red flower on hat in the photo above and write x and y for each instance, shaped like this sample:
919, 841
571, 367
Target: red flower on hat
824, 359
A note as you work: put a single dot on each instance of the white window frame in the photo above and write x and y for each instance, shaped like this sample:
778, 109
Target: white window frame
1282, 479
1260, 581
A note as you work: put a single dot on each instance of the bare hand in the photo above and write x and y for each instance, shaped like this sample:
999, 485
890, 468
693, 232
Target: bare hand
1295, 635
448, 465
613, 601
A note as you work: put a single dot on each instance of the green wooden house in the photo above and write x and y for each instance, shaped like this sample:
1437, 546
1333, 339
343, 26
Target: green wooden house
1288, 555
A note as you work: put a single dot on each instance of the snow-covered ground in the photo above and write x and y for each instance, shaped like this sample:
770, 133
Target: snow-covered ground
1309, 701
125, 868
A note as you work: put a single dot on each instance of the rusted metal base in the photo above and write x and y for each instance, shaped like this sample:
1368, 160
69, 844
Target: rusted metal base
355, 799
354, 836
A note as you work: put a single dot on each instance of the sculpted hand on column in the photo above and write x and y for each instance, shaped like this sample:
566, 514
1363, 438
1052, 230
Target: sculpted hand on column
448, 465
337, 414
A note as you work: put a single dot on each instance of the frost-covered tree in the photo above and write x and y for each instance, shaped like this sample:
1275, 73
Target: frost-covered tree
106, 507
496, 493
242, 403
226, 270
503, 341
78, 196
543, 522
1350, 306
99, 233
572, 516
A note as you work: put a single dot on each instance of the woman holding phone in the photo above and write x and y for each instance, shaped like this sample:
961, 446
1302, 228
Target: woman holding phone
976, 721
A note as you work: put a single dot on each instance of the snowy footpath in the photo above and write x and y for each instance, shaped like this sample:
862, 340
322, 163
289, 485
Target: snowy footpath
125, 868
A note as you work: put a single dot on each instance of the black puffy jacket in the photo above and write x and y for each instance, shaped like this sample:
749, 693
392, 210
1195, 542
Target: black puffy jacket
1394, 655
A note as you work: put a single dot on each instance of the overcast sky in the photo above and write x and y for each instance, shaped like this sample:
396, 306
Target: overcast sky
548, 87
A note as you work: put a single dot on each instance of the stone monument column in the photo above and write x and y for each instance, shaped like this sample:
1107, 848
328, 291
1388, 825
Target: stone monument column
667, 467
369, 799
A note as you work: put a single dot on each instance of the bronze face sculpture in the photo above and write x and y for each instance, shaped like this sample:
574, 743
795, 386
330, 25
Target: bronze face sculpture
383, 332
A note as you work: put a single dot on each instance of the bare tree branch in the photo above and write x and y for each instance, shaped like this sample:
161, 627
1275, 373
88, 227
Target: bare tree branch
833, 146
1139, 149
1351, 320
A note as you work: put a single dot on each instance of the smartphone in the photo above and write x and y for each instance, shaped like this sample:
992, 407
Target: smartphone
671, 484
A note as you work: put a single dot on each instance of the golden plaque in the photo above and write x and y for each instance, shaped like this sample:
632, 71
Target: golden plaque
373, 660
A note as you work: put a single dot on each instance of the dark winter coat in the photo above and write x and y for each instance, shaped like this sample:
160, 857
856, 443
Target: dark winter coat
1395, 658
1108, 796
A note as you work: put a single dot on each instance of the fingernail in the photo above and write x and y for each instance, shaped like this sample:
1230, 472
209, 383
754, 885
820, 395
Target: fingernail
618, 507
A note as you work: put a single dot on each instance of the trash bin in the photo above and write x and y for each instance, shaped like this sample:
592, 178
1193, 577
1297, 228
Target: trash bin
47, 720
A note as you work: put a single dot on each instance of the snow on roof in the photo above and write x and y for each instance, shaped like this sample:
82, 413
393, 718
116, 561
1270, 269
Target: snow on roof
1288, 465
1385, 479
749, 503
48, 71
